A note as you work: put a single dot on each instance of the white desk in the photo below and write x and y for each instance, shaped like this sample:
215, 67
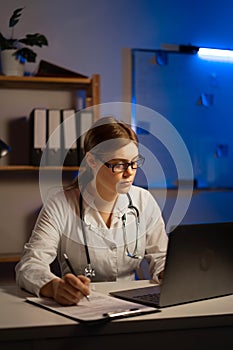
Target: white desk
201, 325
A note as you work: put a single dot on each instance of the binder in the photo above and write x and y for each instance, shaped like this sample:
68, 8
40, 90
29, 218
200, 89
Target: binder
37, 127
69, 132
54, 156
85, 121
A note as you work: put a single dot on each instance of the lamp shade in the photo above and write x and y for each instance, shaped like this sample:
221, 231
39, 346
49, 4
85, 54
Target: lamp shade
4, 149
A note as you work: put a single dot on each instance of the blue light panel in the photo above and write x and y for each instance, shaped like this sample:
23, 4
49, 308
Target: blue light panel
215, 54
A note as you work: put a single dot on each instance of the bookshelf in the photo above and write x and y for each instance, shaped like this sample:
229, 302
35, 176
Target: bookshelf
90, 85
9, 258
36, 168
19, 182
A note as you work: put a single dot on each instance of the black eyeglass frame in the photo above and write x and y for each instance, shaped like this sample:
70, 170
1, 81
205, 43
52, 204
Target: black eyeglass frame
133, 164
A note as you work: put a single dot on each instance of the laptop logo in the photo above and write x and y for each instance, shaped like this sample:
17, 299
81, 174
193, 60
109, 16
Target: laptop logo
206, 259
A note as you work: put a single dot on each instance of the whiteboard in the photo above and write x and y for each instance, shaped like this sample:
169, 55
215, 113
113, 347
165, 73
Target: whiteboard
196, 97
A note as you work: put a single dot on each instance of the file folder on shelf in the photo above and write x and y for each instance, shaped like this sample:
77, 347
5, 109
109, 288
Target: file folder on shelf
85, 120
69, 132
54, 156
37, 121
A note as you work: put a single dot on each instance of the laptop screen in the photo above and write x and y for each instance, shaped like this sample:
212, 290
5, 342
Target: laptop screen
199, 263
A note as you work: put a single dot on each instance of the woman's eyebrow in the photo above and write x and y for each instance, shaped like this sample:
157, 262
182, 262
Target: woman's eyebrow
123, 159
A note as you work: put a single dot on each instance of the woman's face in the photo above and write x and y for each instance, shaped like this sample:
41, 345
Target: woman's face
109, 184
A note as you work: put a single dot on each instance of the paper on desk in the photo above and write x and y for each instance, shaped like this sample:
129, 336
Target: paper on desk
95, 309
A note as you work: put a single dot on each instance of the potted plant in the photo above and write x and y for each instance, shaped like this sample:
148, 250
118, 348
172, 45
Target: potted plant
17, 50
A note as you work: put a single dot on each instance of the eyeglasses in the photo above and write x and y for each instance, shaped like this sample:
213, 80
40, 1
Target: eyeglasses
122, 167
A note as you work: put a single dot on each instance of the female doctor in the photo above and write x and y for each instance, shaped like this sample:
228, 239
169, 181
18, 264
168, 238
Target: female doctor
102, 222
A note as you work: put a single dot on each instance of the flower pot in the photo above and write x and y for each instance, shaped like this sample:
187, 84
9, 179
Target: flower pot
10, 65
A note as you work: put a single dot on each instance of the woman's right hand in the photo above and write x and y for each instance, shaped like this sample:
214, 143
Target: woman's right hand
68, 290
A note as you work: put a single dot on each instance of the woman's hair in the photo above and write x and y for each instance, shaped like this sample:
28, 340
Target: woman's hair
108, 129
106, 135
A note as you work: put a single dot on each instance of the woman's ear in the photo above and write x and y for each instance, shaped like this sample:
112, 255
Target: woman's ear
91, 161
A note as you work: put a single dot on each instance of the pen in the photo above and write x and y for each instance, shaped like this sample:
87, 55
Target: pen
72, 271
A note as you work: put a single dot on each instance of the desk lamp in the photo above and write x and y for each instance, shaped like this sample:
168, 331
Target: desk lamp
4, 149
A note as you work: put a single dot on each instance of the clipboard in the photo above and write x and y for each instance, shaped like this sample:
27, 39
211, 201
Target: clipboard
100, 308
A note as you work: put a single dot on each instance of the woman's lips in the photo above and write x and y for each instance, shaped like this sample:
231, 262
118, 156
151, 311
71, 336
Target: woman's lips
125, 183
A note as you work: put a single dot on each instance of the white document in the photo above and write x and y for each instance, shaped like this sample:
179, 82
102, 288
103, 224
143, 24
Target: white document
99, 307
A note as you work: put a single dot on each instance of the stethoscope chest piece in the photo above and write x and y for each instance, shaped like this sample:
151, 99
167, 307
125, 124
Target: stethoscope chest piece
89, 271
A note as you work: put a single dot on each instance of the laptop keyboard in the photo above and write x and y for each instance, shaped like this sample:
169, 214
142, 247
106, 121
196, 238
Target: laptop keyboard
151, 297
147, 296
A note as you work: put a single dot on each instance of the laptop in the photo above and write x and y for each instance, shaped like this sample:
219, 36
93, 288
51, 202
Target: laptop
199, 265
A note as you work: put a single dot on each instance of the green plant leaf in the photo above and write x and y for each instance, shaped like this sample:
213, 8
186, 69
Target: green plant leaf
15, 17
27, 54
34, 40
22, 54
7, 44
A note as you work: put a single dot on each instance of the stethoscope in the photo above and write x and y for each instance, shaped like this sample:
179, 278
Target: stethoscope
89, 271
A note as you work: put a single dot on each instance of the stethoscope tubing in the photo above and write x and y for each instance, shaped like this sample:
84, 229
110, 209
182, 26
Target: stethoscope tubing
89, 271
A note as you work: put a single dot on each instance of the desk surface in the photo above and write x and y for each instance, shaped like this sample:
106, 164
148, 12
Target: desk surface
205, 321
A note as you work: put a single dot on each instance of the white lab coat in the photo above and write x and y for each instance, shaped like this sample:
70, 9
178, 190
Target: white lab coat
58, 231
